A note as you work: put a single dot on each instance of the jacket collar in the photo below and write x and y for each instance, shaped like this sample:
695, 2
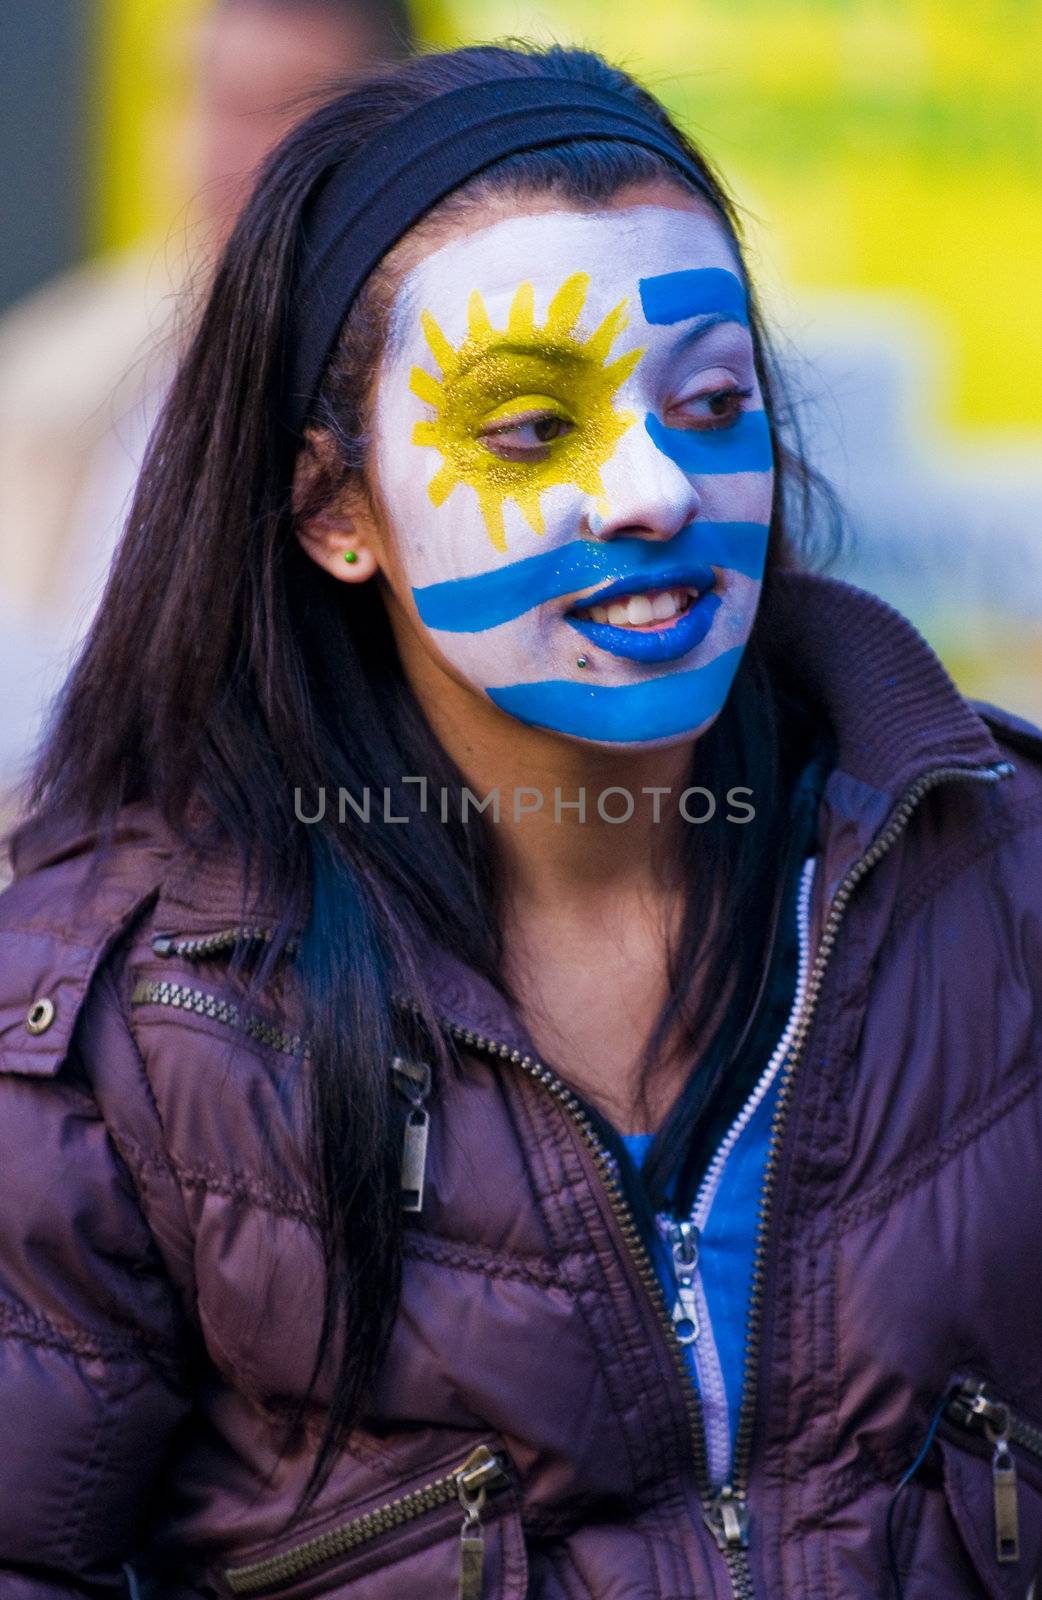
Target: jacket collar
895, 711
896, 715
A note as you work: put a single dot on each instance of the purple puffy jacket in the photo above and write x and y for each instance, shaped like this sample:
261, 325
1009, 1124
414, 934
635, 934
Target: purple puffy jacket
160, 1274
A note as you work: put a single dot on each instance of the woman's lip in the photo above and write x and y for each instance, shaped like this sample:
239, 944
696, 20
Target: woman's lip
697, 578
653, 645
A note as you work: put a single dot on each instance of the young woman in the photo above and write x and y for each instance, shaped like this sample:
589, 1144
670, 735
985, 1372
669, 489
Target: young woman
519, 1004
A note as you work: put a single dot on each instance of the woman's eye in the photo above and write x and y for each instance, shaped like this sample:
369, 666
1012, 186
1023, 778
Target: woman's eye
720, 408
525, 438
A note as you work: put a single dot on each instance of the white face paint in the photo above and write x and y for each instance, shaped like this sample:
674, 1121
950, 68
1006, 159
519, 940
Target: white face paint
568, 408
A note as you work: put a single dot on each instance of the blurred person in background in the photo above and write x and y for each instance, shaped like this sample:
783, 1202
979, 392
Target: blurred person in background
85, 361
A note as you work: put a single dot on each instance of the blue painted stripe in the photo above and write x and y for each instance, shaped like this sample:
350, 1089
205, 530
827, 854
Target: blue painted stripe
743, 447
624, 713
487, 599
697, 292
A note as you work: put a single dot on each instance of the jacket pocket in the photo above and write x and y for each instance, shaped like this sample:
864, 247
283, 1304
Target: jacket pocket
991, 1458
457, 1536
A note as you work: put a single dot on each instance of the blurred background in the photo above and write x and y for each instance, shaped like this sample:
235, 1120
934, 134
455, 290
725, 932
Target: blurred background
886, 156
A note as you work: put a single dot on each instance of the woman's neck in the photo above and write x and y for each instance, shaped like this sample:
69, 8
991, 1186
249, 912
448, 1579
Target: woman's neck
591, 908
559, 834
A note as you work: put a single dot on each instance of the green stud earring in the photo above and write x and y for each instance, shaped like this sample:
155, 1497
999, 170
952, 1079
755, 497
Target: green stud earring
350, 556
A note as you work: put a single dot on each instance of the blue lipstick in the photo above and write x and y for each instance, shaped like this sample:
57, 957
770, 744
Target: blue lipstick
656, 644
666, 575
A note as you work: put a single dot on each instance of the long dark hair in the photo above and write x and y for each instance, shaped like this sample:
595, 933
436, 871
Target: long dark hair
225, 668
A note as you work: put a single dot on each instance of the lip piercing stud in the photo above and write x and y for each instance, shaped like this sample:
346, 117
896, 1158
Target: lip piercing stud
582, 661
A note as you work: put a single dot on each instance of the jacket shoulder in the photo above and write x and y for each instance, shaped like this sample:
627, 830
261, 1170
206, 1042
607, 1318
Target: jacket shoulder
74, 899
113, 1001
81, 905
95, 1298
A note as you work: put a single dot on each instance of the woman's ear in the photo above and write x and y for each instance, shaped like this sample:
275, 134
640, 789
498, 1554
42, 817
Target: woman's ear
335, 527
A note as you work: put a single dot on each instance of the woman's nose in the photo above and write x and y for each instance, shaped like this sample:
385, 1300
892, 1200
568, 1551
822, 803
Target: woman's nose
647, 494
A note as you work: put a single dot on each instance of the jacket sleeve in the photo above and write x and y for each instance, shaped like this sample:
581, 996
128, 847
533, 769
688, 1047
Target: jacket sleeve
92, 1330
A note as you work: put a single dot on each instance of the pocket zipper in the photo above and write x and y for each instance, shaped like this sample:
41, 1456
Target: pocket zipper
975, 1408
183, 997
482, 1472
204, 946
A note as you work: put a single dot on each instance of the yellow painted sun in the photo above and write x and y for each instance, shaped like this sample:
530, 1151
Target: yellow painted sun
497, 373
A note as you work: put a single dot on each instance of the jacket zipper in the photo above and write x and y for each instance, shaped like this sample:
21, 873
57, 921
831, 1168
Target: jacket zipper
975, 1408
726, 1511
691, 1311
733, 1536
482, 1472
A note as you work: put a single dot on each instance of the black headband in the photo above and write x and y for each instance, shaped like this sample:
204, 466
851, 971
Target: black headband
361, 207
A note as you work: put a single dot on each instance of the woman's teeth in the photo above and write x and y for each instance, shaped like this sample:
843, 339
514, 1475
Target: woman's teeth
636, 611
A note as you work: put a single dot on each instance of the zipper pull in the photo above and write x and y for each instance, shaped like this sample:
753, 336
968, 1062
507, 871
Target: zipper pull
479, 1472
1007, 1515
995, 1418
728, 1519
471, 1554
413, 1078
682, 1238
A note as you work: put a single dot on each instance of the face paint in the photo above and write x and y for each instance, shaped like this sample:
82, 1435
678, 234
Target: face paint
647, 712
567, 414
695, 292
745, 447
523, 366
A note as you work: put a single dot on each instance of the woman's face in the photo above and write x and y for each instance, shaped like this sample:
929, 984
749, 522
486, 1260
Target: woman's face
573, 467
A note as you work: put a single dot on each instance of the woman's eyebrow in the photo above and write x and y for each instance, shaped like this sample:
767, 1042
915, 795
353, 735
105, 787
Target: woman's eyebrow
704, 325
